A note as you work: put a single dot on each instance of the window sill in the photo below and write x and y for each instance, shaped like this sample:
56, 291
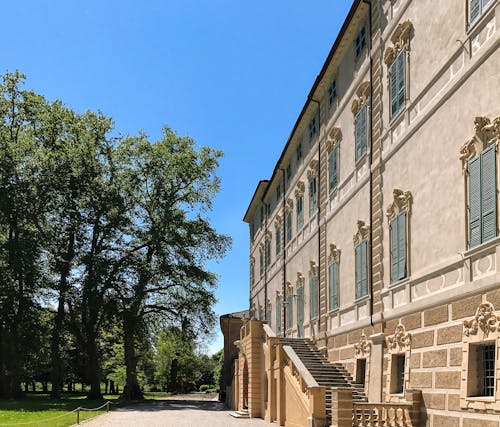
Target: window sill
362, 298
397, 116
361, 160
489, 399
403, 281
481, 247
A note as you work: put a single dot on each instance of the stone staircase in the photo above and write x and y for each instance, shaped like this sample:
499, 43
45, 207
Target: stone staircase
327, 374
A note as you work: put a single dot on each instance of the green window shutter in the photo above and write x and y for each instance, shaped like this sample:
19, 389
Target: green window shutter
474, 171
358, 274
401, 66
402, 245
360, 125
363, 282
394, 249
488, 194
393, 89
474, 10
333, 284
332, 168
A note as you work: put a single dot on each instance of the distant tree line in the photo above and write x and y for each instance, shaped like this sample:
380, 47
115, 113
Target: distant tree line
104, 240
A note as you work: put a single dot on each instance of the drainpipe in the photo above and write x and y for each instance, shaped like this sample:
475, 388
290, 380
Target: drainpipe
318, 192
266, 212
283, 239
369, 3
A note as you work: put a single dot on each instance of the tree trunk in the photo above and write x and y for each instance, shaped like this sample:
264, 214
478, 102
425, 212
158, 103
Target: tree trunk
131, 391
57, 369
93, 370
172, 383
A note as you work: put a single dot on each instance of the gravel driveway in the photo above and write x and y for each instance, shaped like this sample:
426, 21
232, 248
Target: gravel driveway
179, 411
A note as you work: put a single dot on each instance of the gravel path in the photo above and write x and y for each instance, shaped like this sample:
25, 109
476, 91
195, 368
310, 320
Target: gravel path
179, 411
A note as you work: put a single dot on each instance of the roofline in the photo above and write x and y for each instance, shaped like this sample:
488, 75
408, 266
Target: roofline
319, 77
261, 182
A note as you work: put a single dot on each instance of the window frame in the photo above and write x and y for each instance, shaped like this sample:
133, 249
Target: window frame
299, 212
335, 149
288, 227
261, 263
360, 41
313, 195
267, 250
363, 110
333, 284
395, 70
332, 92
277, 240
394, 233
312, 128
359, 280
484, 7
313, 297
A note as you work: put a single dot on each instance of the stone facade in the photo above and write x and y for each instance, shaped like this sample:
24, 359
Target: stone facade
411, 293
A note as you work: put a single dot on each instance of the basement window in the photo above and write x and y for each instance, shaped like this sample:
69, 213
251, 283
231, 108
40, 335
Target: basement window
398, 373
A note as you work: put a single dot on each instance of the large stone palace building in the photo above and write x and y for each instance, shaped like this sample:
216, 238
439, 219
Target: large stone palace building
374, 245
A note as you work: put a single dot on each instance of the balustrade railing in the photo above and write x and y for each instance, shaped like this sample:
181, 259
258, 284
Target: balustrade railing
382, 415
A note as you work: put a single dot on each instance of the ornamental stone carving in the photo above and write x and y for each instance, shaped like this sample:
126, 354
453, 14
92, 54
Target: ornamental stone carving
485, 320
289, 205
278, 221
363, 95
363, 347
362, 234
268, 235
299, 190
300, 278
400, 341
313, 169
401, 202
400, 40
334, 138
252, 261
313, 269
486, 132
334, 254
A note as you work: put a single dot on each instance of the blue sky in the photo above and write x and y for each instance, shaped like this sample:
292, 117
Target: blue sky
234, 75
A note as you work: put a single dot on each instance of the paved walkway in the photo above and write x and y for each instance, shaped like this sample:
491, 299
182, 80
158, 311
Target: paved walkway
178, 411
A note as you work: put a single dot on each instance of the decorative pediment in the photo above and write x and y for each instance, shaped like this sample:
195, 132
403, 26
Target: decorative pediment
313, 269
289, 287
279, 295
278, 221
300, 188
334, 137
362, 234
486, 132
313, 169
400, 341
401, 202
268, 235
363, 347
289, 205
363, 95
486, 320
400, 40
334, 254
261, 246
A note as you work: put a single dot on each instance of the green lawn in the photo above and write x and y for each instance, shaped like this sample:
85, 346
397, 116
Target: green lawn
39, 410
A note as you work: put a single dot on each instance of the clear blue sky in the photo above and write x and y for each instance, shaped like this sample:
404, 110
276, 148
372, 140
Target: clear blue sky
232, 74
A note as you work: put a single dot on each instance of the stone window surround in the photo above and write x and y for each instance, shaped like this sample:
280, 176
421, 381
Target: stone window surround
398, 343
402, 201
362, 350
363, 234
400, 40
333, 140
362, 99
334, 256
486, 133
483, 328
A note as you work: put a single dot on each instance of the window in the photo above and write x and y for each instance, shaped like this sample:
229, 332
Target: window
312, 128
398, 247
252, 273
398, 373
278, 317
397, 80
333, 285
268, 313
332, 168
289, 309
482, 197
332, 92
360, 40
361, 270
277, 236
288, 221
360, 371
300, 311
262, 215
482, 364
278, 192
300, 212
313, 297
476, 8
261, 263
289, 172
313, 195
268, 253
360, 132
298, 152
